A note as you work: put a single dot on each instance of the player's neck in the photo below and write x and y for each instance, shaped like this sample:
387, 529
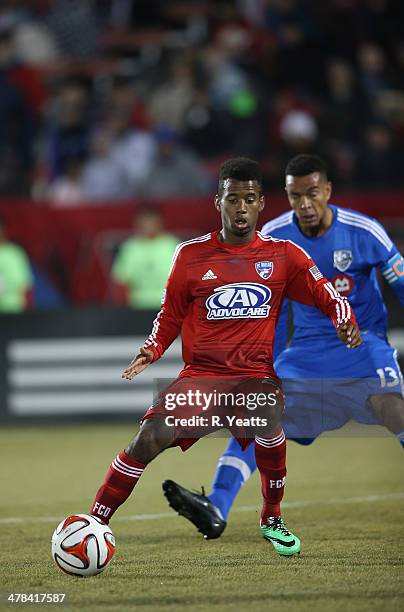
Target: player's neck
229, 238
321, 228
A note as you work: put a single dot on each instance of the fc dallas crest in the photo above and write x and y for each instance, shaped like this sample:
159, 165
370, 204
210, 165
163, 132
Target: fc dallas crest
264, 269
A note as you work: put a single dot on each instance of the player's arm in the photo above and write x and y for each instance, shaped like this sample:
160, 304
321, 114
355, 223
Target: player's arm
167, 324
379, 251
307, 285
392, 269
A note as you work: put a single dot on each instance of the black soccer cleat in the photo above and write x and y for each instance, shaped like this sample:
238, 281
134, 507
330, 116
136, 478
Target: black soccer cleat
196, 507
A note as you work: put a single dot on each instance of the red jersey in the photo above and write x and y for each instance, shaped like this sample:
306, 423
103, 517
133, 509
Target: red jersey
225, 301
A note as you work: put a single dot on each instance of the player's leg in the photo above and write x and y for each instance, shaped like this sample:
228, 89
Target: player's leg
209, 513
126, 469
234, 468
389, 410
300, 368
387, 402
270, 456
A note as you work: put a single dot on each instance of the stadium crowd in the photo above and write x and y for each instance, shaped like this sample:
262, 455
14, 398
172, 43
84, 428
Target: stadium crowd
111, 99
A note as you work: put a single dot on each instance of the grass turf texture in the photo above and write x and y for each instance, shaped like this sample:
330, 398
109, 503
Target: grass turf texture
352, 553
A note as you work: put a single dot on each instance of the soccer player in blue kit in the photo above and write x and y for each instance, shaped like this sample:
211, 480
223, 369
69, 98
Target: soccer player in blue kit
325, 383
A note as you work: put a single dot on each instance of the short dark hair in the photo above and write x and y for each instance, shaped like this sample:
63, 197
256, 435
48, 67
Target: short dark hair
302, 165
240, 169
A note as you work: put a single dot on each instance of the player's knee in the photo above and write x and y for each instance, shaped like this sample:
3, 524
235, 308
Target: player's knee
388, 408
274, 406
273, 415
152, 438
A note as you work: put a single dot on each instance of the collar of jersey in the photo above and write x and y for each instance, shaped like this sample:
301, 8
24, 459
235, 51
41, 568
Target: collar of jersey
235, 247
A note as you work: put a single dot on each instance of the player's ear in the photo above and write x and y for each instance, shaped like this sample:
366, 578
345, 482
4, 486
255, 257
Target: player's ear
329, 190
261, 203
217, 202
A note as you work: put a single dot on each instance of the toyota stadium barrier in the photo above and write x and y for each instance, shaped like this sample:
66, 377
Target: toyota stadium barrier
66, 364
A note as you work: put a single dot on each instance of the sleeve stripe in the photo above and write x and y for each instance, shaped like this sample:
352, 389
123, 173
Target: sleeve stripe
338, 313
333, 291
342, 305
343, 313
183, 244
368, 224
367, 221
151, 340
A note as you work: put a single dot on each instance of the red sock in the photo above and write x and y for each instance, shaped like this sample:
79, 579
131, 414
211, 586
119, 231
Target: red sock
270, 455
119, 482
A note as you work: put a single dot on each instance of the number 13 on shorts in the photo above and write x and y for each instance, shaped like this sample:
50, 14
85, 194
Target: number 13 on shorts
389, 377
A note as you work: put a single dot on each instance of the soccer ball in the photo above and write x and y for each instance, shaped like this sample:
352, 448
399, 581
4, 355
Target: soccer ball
82, 545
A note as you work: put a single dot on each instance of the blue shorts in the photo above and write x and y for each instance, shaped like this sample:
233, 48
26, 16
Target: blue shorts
327, 384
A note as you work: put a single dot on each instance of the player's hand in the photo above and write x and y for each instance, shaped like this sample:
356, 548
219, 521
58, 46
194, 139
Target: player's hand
138, 364
349, 334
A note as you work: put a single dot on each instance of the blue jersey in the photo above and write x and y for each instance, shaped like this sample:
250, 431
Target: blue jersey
349, 254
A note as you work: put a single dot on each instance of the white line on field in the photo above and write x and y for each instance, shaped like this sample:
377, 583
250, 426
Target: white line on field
164, 515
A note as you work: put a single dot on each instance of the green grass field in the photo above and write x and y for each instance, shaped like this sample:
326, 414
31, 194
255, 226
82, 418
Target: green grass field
344, 498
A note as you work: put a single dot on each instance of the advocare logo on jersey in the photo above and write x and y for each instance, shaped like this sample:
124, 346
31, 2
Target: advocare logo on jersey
239, 301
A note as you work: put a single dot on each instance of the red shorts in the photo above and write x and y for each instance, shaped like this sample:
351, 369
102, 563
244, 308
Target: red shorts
196, 407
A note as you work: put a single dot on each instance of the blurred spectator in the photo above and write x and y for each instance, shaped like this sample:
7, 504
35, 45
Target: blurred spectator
290, 20
143, 262
341, 61
299, 131
380, 161
15, 275
68, 131
205, 129
291, 23
20, 101
372, 69
176, 171
344, 105
74, 25
225, 76
132, 146
102, 177
170, 101
340, 120
34, 43
299, 134
245, 117
67, 190
122, 99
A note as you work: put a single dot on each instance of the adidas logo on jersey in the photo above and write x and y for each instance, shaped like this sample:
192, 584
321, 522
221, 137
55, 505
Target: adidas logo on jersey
209, 275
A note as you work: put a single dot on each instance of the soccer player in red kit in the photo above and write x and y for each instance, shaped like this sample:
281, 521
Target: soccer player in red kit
224, 295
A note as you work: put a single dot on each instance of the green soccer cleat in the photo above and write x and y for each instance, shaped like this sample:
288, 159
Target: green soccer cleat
284, 542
